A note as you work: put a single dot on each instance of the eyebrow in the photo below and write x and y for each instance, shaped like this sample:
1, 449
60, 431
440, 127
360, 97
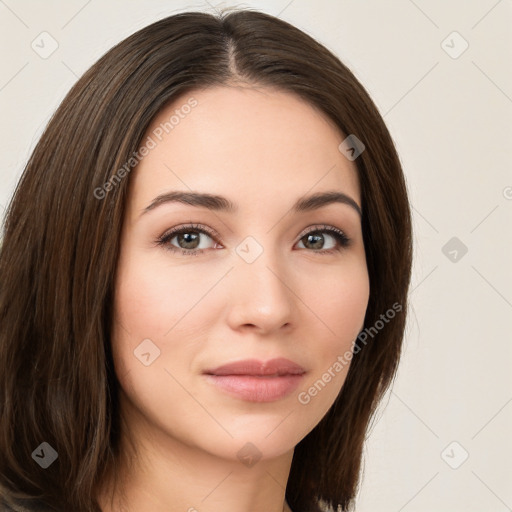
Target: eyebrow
222, 204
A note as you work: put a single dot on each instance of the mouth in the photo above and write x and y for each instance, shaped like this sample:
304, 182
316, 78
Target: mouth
257, 381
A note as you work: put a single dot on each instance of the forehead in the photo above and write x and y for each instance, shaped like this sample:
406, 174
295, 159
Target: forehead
250, 143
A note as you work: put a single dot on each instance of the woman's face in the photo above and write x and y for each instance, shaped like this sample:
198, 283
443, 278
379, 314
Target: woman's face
261, 281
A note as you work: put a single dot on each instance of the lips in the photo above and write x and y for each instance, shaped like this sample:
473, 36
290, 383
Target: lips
257, 381
252, 367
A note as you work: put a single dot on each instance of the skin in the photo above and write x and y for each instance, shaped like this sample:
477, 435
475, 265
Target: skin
262, 149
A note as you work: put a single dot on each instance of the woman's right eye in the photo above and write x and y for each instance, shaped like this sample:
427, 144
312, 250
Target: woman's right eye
188, 239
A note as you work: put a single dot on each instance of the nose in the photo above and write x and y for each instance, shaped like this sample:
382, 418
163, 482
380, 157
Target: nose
261, 294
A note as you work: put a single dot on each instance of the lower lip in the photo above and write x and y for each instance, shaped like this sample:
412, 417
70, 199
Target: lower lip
256, 389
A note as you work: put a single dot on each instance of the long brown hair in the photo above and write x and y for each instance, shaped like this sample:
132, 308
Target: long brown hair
60, 250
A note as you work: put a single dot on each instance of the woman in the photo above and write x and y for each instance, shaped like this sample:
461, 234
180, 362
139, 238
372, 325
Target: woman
204, 275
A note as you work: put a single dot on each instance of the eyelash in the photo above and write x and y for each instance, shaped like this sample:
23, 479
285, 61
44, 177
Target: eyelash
163, 241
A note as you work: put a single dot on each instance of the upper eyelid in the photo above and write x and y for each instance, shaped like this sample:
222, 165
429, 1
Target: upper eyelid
192, 227
320, 227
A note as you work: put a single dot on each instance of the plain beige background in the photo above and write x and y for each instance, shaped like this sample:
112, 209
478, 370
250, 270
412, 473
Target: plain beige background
441, 440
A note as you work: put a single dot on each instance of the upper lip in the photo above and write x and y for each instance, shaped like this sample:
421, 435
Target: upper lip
278, 366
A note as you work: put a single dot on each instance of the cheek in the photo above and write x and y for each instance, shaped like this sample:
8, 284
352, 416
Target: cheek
155, 300
338, 314
346, 306
159, 311
146, 307
338, 302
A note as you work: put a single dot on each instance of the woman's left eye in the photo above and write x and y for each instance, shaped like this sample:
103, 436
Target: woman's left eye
188, 239
316, 236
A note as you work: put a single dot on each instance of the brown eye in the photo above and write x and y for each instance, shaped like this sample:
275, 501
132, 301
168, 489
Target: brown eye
186, 238
316, 240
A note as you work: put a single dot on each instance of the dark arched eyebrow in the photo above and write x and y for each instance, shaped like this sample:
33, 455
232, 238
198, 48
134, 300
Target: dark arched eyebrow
222, 204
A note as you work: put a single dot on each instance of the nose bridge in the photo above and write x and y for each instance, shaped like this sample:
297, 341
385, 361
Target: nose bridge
261, 294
